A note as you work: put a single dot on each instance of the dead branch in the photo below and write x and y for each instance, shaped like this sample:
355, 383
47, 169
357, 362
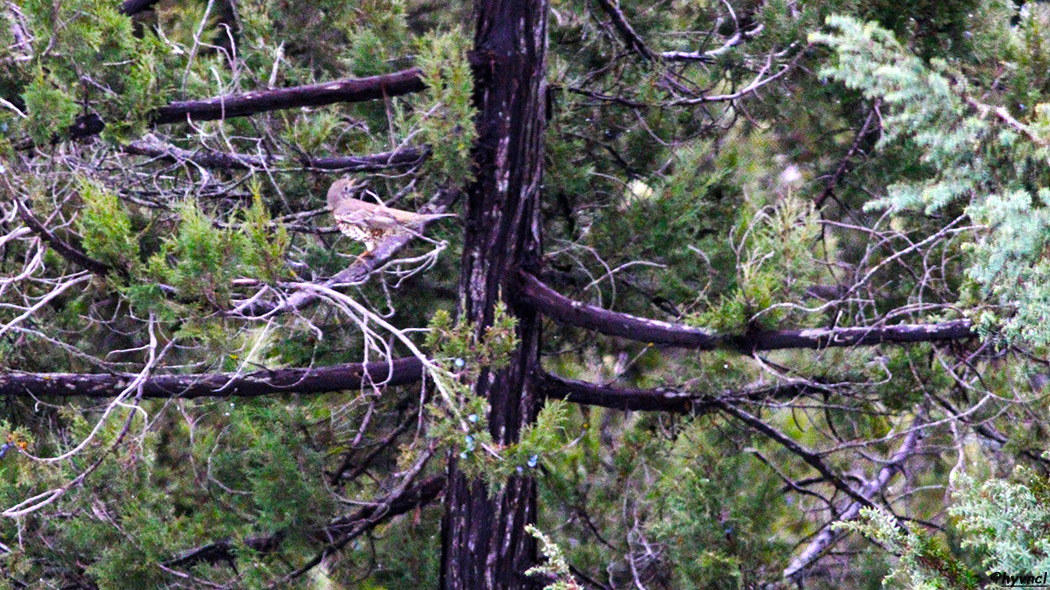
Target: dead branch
348, 90
532, 291
344, 377
871, 488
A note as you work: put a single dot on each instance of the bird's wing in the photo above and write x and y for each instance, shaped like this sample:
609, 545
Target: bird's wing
375, 217
382, 219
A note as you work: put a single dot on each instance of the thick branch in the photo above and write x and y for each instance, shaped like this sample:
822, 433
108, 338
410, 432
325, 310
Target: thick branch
657, 400
313, 95
582, 315
594, 394
371, 516
300, 381
249, 103
401, 158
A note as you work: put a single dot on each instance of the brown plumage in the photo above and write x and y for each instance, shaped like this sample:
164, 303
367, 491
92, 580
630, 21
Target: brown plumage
369, 223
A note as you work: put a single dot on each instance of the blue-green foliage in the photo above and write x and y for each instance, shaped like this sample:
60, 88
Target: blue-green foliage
1007, 520
973, 153
923, 563
1004, 521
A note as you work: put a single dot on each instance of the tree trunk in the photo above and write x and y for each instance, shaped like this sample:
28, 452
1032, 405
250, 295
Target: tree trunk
485, 545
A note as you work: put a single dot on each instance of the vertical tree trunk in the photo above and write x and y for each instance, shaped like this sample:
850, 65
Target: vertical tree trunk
485, 545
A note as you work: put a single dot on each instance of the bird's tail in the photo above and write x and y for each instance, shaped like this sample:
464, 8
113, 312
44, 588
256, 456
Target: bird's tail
432, 216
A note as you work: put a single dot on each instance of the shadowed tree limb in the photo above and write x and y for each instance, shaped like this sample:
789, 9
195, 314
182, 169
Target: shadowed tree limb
249, 103
340, 472
847, 160
633, 40
531, 291
659, 400
133, 7
673, 401
312, 95
301, 381
811, 458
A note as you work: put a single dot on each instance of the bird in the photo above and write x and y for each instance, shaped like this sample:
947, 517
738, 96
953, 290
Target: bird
370, 223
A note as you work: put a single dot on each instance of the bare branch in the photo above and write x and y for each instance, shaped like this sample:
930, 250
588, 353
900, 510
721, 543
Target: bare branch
658, 400
811, 458
847, 160
266, 382
710, 55
59, 245
241, 105
828, 537
633, 40
532, 291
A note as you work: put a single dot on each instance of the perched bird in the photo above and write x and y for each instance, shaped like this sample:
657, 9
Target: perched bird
366, 222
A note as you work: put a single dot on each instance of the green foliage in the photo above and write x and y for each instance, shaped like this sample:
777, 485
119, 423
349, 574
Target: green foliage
86, 50
1005, 521
266, 243
51, 108
775, 263
460, 416
106, 228
715, 512
201, 260
445, 119
204, 257
924, 103
378, 35
706, 214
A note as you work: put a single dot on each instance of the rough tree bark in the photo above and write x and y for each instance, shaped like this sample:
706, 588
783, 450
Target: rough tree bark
485, 545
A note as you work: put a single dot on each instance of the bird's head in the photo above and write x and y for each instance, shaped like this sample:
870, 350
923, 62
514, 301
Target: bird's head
341, 190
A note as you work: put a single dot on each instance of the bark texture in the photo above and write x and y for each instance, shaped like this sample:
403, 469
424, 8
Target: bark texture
260, 101
266, 382
485, 545
532, 292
